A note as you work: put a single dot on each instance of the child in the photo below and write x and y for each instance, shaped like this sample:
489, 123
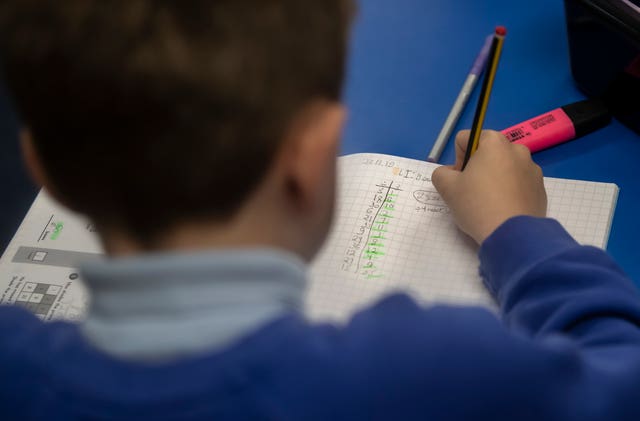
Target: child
201, 138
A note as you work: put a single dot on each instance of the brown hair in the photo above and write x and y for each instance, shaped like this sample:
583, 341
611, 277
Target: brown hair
149, 113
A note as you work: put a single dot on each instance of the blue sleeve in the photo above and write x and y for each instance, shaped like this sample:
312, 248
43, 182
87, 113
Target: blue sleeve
18, 327
546, 283
567, 347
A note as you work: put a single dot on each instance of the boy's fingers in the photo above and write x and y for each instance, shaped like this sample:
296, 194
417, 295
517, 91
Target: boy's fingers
462, 139
523, 151
490, 138
443, 179
493, 137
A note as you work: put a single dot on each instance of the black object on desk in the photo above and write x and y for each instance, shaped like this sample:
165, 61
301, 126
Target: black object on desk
604, 42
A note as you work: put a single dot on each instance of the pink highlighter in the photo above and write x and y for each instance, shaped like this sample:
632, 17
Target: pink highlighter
560, 125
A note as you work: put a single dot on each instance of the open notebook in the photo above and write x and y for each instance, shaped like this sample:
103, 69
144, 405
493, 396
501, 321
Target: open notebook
392, 231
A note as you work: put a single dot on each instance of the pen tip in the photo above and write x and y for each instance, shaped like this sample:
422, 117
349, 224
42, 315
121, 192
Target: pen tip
501, 30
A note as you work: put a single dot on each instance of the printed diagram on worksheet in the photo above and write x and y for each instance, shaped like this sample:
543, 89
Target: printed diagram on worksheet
38, 297
39, 269
46, 299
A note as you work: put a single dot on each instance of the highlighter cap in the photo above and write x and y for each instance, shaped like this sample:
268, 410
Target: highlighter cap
588, 115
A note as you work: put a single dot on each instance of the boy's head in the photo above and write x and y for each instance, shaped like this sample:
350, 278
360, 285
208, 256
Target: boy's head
148, 115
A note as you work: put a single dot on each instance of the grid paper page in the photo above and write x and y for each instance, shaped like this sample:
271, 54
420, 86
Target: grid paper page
392, 231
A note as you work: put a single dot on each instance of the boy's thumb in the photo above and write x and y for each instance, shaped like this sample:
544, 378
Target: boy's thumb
443, 179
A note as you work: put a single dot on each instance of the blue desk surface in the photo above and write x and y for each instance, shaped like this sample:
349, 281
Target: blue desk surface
409, 59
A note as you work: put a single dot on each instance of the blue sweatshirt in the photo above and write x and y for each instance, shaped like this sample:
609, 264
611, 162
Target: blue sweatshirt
566, 347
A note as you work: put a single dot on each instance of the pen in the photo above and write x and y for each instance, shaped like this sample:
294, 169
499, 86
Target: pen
485, 93
461, 102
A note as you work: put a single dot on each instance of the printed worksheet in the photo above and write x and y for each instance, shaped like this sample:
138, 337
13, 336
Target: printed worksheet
39, 268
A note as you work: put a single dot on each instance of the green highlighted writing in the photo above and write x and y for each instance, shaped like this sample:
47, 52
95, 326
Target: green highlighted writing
372, 258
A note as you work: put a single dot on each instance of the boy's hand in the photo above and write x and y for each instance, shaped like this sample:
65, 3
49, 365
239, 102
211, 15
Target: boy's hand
500, 181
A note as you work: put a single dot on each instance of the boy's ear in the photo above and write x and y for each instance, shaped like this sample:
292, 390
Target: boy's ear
311, 151
32, 159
